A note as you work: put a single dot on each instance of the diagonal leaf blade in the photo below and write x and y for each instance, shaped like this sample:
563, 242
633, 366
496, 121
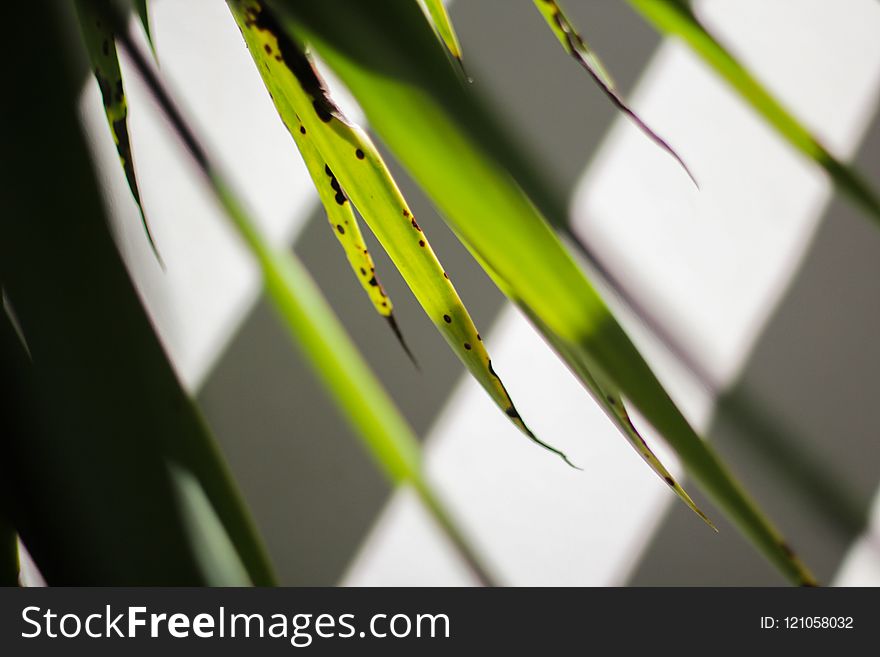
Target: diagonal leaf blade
345, 227
101, 46
143, 12
316, 330
577, 48
610, 400
676, 18
388, 57
439, 17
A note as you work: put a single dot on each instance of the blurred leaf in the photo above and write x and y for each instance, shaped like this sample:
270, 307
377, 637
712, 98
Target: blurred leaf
98, 414
345, 226
101, 47
12, 355
220, 564
315, 329
302, 99
676, 18
388, 57
609, 398
575, 46
143, 12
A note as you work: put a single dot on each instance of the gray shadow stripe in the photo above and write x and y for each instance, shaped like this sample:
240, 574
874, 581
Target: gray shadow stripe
311, 487
815, 365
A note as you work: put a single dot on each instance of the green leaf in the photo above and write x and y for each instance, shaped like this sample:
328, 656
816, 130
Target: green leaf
315, 329
577, 48
344, 224
352, 158
98, 414
143, 12
608, 396
101, 47
340, 214
12, 354
439, 17
676, 18
220, 565
388, 57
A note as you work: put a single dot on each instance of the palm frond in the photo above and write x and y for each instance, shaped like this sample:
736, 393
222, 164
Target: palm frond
353, 160
389, 59
312, 325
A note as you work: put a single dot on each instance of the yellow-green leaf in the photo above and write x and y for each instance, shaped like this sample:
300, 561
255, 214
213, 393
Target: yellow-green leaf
340, 214
436, 12
344, 225
365, 180
101, 46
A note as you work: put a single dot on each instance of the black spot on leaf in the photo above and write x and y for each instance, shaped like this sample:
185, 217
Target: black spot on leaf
340, 195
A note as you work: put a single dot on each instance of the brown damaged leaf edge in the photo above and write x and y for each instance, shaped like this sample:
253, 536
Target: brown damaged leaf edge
575, 46
611, 402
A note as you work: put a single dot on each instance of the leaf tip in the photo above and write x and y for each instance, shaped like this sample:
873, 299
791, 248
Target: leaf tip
392, 322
